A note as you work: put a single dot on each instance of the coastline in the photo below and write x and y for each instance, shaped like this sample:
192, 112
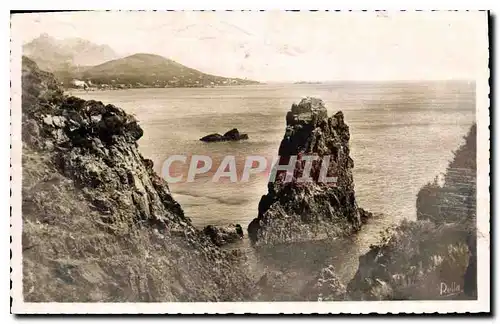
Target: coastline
117, 131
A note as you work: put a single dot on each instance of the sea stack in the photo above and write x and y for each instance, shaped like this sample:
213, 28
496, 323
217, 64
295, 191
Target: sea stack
294, 211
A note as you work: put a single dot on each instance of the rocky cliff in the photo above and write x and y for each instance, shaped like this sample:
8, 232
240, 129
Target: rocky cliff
295, 211
98, 224
434, 257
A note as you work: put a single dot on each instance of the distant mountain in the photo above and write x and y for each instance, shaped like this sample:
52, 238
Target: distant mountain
99, 65
52, 54
150, 70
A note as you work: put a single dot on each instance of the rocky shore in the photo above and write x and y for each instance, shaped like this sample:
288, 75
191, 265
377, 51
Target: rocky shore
98, 224
435, 256
294, 211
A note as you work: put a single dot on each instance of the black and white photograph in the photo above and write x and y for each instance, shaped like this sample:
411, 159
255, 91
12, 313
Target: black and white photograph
250, 162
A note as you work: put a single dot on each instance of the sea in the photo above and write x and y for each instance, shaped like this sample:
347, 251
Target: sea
403, 135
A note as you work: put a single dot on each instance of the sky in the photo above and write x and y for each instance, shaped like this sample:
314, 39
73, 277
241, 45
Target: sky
287, 46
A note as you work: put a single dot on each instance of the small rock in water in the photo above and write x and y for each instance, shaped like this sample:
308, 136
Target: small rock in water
231, 135
212, 138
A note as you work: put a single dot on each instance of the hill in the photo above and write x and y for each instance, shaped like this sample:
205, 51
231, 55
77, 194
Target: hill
52, 54
98, 65
150, 70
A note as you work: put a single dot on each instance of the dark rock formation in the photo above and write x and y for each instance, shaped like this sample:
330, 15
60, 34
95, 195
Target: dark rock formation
224, 235
98, 224
417, 258
411, 263
234, 135
364, 215
231, 135
455, 201
294, 211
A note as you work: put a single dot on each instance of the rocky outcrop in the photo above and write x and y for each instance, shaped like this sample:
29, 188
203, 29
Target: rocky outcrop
295, 211
95, 145
412, 262
434, 257
230, 135
98, 224
222, 235
455, 201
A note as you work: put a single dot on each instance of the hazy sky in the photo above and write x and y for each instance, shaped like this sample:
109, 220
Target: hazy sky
288, 46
